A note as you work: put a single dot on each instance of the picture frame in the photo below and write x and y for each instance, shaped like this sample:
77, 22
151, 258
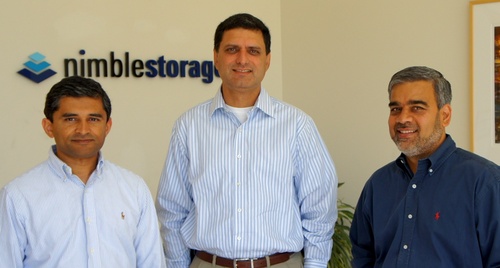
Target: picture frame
485, 78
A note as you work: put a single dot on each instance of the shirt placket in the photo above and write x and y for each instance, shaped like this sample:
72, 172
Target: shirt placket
89, 213
410, 217
239, 184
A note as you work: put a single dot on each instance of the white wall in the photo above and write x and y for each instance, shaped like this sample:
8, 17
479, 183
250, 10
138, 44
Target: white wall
331, 58
144, 109
338, 57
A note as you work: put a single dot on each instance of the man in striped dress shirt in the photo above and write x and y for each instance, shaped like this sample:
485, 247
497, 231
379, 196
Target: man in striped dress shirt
248, 181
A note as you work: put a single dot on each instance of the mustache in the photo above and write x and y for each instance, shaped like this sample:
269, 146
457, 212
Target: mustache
82, 137
405, 125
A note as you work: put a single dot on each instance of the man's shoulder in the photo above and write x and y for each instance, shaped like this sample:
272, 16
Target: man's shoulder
124, 176
200, 107
35, 182
469, 160
198, 111
285, 110
31, 178
119, 180
277, 103
388, 168
389, 173
120, 172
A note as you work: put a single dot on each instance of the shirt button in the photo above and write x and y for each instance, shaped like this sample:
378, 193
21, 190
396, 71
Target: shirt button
88, 220
239, 156
405, 246
410, 216
239, 210
414, 186
430, 170
238, 238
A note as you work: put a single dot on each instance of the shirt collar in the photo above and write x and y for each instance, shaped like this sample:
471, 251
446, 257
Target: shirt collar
443, 152
264, 102
62, 170
438, 157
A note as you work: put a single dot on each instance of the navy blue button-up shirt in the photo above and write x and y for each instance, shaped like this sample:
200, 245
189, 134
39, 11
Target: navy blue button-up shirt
447, 214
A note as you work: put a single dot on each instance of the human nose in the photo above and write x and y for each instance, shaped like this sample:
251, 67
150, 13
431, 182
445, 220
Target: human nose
242, 57
83, 127
404, 116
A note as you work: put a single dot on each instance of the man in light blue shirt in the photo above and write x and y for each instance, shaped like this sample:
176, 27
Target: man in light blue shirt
248, 181
77, 209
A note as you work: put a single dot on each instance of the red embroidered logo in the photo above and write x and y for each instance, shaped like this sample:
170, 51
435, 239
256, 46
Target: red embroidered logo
437, 215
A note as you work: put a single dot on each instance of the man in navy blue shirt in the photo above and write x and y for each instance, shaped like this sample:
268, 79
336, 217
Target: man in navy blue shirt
436, 205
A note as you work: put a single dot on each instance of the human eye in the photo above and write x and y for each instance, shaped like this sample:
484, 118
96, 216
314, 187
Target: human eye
254, 51
395, 110
94, 119
417, 108
231, 49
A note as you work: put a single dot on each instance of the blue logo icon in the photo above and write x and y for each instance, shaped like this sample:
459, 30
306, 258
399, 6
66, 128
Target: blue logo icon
36, 69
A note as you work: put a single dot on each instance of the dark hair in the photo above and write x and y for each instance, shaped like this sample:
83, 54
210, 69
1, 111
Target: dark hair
442, 87
245, 21
75, 86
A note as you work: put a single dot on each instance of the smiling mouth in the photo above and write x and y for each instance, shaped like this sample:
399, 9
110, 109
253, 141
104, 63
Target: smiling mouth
242, 71
404, 135
406, 131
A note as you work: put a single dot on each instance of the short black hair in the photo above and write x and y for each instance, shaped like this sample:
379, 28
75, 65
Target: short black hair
245, 21
75, 86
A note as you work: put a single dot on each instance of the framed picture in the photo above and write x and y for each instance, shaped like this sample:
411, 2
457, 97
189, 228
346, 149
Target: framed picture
485, 78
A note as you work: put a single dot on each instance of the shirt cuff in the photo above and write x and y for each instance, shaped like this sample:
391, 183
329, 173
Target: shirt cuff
314, 264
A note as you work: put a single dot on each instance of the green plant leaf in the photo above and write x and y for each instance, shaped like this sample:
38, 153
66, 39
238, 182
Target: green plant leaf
341, 252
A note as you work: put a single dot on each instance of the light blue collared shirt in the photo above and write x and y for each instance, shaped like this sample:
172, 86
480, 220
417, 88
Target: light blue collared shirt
247, 190
49, 218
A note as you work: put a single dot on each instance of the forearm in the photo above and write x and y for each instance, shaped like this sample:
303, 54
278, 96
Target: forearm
319, 213
317, 255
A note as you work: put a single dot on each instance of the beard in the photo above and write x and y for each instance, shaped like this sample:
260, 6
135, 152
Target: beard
422, 145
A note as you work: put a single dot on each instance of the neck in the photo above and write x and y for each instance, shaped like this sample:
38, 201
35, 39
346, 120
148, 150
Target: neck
240, 98
413, 163
82, 168
83, 173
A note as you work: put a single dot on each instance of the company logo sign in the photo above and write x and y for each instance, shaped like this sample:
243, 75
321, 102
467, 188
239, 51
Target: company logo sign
37, 69
121, 65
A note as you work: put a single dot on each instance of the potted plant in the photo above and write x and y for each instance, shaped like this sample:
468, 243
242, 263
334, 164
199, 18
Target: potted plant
341, 252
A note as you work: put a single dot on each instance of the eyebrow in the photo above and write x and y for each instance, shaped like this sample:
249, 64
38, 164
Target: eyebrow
255, 47
250, 46
411, 102
92, 114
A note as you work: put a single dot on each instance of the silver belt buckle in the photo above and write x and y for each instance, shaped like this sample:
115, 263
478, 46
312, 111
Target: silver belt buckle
235, 262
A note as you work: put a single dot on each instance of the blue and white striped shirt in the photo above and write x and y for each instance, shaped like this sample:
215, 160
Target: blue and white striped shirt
49, 218
246, 190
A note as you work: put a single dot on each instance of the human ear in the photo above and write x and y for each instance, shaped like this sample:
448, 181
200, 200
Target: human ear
446, 114
108, 125
47, 127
